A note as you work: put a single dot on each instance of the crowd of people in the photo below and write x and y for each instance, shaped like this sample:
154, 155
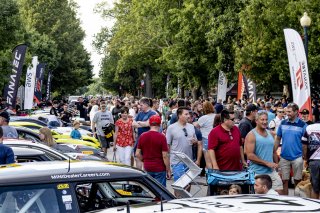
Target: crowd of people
220, 135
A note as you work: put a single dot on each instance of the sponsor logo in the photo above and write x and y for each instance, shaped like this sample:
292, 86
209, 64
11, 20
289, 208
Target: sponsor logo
81, 175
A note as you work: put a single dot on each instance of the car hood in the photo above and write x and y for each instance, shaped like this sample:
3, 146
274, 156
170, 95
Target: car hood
226, 204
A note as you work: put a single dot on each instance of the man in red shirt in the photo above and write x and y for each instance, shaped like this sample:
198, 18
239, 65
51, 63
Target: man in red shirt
224, 145
153, 151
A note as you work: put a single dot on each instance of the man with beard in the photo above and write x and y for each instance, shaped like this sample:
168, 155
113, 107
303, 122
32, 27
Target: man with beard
292, 131
100, 120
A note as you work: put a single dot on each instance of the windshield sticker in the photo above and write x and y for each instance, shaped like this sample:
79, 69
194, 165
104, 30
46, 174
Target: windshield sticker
122, 192
66, 198
63, 186
81, 175
68, 206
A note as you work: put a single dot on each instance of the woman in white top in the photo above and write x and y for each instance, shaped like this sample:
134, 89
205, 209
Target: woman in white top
205, 123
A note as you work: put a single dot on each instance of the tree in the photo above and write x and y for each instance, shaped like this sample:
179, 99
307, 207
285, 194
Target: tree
56, 38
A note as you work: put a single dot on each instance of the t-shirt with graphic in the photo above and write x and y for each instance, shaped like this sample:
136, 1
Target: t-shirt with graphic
125, 132
101, 119
313, 143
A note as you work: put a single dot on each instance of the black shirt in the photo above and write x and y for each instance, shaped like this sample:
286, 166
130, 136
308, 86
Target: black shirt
245, 126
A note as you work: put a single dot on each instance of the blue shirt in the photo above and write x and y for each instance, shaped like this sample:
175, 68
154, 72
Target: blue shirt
75, 134
263, 150
271, 116
291, 134
144, 116
6, 155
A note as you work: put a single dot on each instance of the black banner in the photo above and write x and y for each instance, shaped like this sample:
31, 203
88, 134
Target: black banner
39, 81
10, 91
250, 88
49, 86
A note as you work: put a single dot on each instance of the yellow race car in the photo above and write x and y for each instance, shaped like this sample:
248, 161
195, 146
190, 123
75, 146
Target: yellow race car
59, 135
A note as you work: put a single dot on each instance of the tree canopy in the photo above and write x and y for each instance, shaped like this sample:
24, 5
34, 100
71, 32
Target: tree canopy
192, 40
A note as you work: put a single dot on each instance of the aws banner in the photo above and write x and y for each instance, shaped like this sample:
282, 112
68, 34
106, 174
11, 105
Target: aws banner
10, 91
30, 82
39, 81
298, 70
222, 86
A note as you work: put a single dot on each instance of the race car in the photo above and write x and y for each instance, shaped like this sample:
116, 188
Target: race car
59, 137
74, 186
227, 204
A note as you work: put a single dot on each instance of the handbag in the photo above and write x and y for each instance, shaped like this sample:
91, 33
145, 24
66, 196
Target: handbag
108, 130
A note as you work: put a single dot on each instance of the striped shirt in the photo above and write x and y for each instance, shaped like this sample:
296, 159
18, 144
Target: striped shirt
292, 134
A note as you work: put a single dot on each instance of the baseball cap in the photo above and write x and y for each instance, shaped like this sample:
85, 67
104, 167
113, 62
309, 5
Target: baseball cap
155, 120
5, 115
305, 112
251, 107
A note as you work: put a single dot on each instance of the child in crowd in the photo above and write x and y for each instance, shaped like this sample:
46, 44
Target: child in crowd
235, 189
75, 134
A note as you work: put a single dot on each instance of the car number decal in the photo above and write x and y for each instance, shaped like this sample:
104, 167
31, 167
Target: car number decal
122, 192
87, 152
63, 186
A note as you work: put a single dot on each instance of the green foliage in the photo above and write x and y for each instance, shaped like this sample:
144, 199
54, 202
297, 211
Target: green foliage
192, 40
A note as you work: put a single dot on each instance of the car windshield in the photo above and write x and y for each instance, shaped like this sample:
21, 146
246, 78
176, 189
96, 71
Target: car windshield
28, 199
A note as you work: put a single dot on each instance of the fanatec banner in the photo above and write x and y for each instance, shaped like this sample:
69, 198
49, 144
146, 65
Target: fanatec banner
30, 82
39, 81
10, 92
298, 70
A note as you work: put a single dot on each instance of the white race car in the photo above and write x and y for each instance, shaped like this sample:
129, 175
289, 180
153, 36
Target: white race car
227, 204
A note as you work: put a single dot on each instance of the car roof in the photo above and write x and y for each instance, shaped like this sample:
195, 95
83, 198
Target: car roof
21, 142
25, 151
63, 171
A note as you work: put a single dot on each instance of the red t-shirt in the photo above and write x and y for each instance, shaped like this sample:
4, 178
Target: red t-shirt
227, 151
152, 144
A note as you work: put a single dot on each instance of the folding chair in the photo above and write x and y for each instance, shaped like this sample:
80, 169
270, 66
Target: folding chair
188, 177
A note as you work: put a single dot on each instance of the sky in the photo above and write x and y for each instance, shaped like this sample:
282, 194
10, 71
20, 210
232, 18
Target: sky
92, 23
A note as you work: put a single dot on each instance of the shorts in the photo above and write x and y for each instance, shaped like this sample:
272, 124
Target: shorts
160, 177
297, 167
276, 181
178, 170
103, 142
205, 144
314, 166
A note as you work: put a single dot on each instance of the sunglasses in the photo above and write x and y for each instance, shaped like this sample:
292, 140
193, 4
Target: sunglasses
185, 132
280, 111
230, 135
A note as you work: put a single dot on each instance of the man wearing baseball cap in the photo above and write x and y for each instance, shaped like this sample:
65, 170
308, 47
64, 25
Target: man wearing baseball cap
152, 150
305, 116
8, 131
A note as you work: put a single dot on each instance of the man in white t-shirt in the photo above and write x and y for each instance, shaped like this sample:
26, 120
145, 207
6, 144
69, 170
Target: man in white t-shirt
275, 123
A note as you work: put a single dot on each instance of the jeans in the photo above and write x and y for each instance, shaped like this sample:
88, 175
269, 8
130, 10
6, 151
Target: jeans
178, 170
159, 176
124, 154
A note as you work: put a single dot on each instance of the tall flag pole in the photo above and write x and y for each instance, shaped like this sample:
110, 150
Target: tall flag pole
10, 91
39, 81
298, 70
30, 82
